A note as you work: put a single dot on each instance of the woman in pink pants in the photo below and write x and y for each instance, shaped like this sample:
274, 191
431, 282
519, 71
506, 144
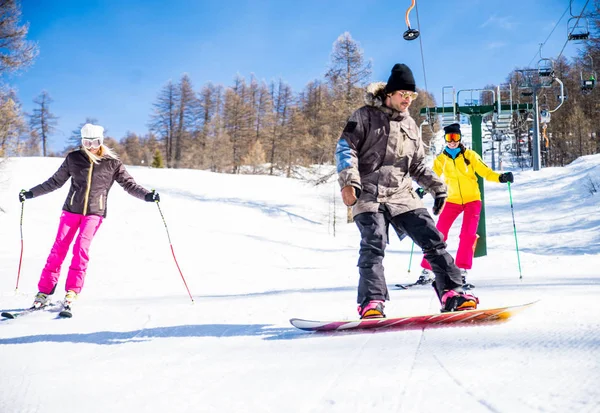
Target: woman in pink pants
92, 169
459, 167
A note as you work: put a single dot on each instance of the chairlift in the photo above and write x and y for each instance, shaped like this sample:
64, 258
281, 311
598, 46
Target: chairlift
545, 67
410, 34
526, 91
578, 28
545, 114
587, 84
525, 85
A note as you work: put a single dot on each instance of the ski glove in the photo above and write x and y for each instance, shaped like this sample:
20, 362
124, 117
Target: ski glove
438, 202
421, 192
23, 195
152, 196
506, 177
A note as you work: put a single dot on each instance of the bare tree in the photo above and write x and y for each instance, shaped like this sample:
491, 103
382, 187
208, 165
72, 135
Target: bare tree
315, 103
187, 109
42, 121
208, 108
12, 123
164, 117
132, 145
15, 51
348, 73
237, 114
281, 95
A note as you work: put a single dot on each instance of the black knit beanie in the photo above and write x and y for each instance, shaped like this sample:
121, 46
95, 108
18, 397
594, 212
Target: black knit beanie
454, 128
401, 79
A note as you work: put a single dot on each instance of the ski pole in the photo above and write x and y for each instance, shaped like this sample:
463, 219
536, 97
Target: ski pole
173, 252
411, 254
21, 256
512, 210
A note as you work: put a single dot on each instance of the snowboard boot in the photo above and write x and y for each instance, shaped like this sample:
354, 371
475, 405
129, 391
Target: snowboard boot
425, 278
70, 297
372, 309
458, 301
466, 285
41, 300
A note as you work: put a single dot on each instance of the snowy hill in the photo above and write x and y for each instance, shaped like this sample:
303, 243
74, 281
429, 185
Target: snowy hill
258, 250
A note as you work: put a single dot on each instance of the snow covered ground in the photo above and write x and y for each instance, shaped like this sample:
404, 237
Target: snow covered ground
258, 250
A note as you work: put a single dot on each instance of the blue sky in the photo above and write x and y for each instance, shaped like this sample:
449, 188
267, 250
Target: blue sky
109, 59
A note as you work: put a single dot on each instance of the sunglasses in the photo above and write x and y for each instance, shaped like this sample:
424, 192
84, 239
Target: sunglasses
452, 137
91, 142
406, 95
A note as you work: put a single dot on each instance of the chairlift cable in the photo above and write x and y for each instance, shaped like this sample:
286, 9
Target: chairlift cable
576, 22
423, 64
421, 47
548, 38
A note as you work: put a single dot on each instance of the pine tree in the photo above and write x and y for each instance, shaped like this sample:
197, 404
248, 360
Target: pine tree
15, 52
157, 160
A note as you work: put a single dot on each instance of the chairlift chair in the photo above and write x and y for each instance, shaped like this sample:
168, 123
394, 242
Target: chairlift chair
545, 67
545, 114
578, 28
410, 34
526, 91
587, 85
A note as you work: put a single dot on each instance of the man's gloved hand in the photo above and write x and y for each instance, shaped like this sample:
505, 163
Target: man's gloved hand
438, 202
23, 195
350, 195
506, 177
421, 192
152, 196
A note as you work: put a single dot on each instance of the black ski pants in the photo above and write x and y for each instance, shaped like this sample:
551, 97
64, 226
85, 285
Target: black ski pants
419, 226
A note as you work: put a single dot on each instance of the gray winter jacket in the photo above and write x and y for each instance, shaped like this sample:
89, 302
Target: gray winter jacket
380, 152
90, 183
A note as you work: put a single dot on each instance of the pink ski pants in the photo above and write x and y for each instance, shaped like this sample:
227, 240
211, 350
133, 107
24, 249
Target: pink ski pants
468, 231
67, 228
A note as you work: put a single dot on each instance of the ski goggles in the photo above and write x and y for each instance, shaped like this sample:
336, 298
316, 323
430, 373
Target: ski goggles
89, 143
406, 95
452, 137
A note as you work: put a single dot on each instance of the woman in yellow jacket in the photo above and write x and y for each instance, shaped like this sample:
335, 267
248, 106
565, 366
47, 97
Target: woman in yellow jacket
459, 166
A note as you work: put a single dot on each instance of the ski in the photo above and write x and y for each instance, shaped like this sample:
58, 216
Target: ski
407, 286
467, 317
11, 315
467, 286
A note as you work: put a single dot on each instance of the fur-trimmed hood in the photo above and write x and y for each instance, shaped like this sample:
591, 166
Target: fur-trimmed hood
375, 94
375, 97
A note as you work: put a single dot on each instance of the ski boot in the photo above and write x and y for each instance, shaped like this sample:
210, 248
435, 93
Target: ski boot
466, 285
372, 309
453, 300
41, 300
70, 297
425, 278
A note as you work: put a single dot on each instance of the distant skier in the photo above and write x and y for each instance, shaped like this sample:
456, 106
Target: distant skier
378, 154
92, 170
459, 167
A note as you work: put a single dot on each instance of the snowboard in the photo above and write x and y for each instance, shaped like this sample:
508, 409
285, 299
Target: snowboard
466, 317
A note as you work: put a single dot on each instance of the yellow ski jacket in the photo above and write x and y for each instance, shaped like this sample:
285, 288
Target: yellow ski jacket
459, 175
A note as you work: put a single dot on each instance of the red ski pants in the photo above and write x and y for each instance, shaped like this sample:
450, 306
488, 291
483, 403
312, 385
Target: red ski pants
468, 231
68, 226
